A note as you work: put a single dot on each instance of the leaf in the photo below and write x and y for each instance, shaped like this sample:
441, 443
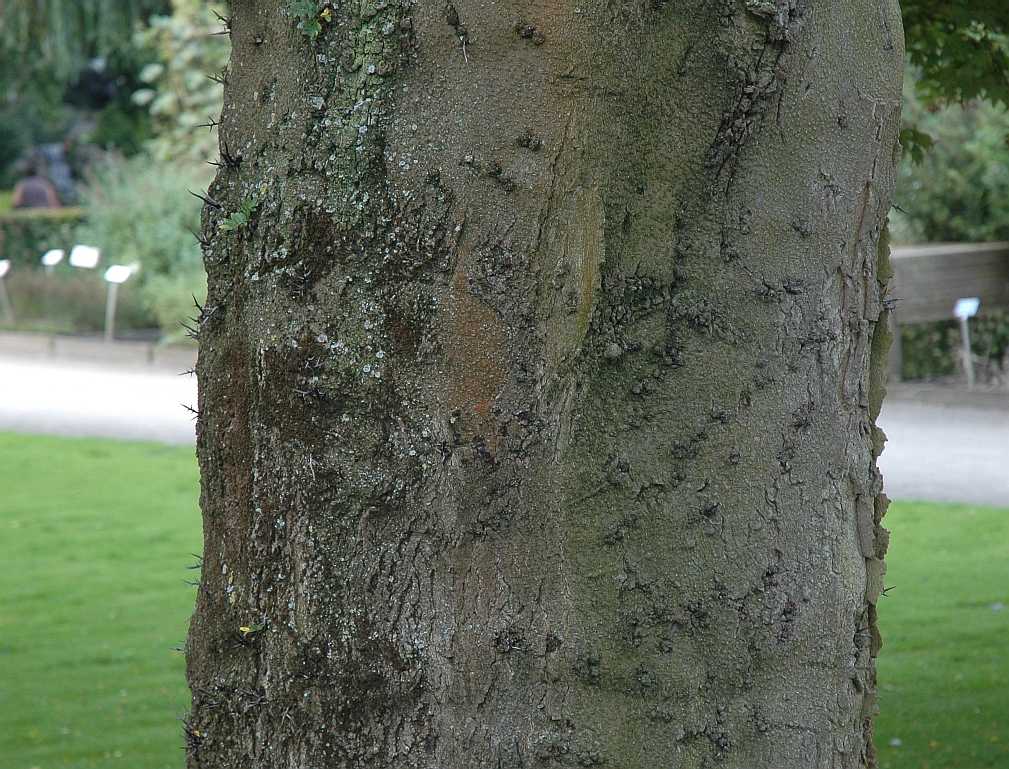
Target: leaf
311, 27
916, 143
308, 16
152, 72
143, 97
961, 47
241, 217
235, 221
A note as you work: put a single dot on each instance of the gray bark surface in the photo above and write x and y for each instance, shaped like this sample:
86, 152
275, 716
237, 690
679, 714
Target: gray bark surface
537, 395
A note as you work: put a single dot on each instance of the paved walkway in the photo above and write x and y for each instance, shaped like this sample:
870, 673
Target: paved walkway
73, 398
943, 445
945, 451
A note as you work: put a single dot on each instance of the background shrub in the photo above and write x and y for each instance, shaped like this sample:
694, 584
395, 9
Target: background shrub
140, 211
27, 234
959, 192
183, 48
72, 301
933, 350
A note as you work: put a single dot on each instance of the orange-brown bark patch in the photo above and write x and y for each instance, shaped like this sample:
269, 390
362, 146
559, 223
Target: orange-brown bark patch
476, 353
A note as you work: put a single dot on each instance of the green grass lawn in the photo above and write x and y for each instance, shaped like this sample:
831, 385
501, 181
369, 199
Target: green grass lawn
944, 668
95, 537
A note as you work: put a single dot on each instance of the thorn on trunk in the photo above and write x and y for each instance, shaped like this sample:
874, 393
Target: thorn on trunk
209, 201
192, 328
232, 162
204, 242
225, 21
193, 738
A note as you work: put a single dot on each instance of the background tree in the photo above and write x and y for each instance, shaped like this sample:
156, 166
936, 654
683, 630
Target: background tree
960, 53
133, 82
538, 377
67, 70
961, 47
48, 42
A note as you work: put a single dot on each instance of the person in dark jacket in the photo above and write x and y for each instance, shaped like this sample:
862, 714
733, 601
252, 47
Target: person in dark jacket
35, 191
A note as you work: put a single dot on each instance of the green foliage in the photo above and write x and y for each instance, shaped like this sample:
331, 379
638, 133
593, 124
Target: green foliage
915, 143
241, 217
178, 94
933, 350
70, 301
928, 350
956, 191
95, 538
27, 234
35, 118
47, 42
123, 129
309, 17
170, 297
960, 51
961, 48
14, 140
140, 211
44, 117
959, 189
136, 211
60, 61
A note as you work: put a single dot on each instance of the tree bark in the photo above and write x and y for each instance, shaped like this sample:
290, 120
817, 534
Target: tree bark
538, 386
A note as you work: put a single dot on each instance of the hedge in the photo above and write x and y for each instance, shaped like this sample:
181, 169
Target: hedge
27, 234
933, 350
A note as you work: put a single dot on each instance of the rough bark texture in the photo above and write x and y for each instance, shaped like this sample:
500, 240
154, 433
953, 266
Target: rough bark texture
538, 391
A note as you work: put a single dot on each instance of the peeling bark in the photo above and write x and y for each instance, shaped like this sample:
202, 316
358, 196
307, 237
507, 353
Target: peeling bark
538, 395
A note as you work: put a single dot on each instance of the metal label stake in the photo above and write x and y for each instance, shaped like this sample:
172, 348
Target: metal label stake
964, 310
114, 275
5, 301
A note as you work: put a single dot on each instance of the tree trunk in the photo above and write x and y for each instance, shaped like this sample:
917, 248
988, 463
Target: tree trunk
538, 379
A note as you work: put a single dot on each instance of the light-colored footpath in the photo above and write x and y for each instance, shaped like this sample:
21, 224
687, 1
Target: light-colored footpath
943, 445
946, 445
85, 389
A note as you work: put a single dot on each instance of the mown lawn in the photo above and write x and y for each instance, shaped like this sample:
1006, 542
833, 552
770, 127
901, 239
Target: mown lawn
95, 538
944, 668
